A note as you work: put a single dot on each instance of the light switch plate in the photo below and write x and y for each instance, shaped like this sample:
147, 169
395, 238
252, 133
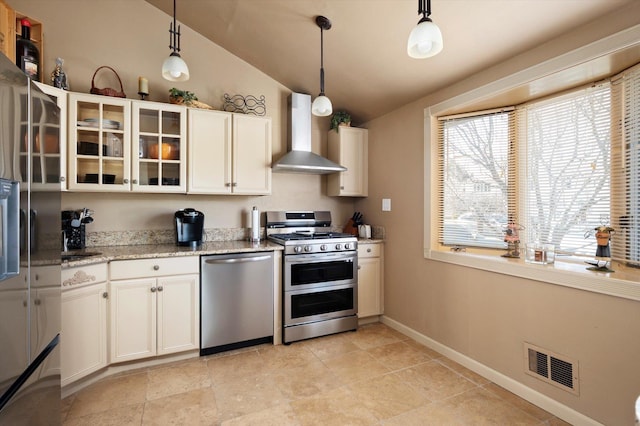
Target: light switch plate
386, 204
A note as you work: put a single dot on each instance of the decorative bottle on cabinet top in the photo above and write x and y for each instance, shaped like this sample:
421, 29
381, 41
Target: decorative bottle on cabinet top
27, 54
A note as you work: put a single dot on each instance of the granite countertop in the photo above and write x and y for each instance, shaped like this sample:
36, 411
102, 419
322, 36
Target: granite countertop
150, 251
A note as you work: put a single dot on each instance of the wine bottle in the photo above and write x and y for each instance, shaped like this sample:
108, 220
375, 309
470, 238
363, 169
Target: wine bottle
27, 54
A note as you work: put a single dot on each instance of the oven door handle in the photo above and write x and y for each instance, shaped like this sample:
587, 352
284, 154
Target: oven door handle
238, 260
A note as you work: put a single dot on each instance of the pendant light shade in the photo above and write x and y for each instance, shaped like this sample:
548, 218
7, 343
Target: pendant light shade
174, 68
425, 39
321, 105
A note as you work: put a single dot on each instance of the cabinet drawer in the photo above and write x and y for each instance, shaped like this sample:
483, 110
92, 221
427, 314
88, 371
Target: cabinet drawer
84, 275
147, 268
368, 250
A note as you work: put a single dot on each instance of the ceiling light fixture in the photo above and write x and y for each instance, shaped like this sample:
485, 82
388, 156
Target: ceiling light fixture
321, 105
425, 39
174, 68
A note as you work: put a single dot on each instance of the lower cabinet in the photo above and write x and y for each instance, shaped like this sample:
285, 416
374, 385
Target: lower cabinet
154, 307
84, 321
370, 279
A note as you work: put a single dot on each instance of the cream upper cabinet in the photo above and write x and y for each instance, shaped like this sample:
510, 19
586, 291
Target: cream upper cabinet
370, 279
84, 321
229, 153
155, 307
99, 137
159, 158
349, 148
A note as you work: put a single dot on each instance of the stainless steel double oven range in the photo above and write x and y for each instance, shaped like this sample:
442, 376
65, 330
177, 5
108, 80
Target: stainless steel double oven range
319, 273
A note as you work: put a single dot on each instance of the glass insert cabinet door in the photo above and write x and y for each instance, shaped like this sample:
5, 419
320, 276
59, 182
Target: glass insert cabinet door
158, 147
99, 143
47, 156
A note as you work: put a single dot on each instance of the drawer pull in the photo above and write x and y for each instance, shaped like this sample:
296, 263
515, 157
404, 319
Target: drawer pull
159, 288
105, 295
156, 267
368, 250
153, 289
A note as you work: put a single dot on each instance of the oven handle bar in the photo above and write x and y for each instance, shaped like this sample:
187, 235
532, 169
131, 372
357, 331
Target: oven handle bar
240, 260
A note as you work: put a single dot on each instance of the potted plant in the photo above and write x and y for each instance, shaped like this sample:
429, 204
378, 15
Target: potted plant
603, 234
184, 97
340, 118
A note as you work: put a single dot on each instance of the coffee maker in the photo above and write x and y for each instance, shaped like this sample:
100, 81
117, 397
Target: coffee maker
189, 224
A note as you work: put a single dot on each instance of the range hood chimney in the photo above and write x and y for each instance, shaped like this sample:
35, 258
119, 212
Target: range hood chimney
300, 159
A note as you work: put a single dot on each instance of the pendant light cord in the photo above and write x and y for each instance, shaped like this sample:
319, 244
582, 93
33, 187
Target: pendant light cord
321, 61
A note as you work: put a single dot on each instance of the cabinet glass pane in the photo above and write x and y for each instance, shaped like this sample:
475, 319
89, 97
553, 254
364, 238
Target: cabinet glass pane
148, 173
145, 144
88, 170
87, 111
170, 148
113, 116
113, 144
171, 174
89, 143
148, 121
52, 169
170, 122
113, 172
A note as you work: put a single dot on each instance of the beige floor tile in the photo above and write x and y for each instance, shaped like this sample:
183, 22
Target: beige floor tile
233, 367
386, 396
424, 349
355, 366
178, 378
463, 371
286, 356
247, 395
330, 346
128, 415
427, 415
522, 404
65, 406
554, 421
195, 407
108, 394
437, 381
373, 335
481, 407
337, 407
305, 380
280, 415
396, 356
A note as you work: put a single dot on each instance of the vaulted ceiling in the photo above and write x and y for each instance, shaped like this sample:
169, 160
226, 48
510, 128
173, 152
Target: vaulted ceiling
367, 69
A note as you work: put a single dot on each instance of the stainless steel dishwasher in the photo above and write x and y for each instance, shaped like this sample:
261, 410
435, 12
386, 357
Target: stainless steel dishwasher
236, 301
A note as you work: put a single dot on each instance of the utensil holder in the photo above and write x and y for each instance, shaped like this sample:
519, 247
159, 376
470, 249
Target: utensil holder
75, 237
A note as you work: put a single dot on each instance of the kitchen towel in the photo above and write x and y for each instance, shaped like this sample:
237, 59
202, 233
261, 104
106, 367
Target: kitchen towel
255, 224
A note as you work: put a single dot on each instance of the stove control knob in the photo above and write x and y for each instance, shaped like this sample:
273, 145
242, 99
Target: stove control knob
347, 246
338, 246
323, 247
307, 248
297, 249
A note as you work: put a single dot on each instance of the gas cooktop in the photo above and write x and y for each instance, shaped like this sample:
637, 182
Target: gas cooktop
303, 236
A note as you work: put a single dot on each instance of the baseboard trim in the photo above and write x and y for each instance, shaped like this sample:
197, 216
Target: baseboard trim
551, 405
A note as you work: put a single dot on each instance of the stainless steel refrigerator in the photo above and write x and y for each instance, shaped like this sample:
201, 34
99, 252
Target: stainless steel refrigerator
29, 252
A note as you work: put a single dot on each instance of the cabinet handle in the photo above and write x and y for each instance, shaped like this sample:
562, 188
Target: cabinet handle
153, 289
62, 179
156, 267
125, 180
159, 288
227, 184
134, 181
105, 295
37, 277
36, 302
368, 250
342, 187
359, 267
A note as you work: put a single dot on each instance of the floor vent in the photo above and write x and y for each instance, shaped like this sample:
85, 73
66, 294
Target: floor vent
552, 368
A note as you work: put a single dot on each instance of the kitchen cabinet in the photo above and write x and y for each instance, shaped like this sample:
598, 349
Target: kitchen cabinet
349, 147
370, 279
45, 314
47, 157
159, 159
99, 143
13, 322
84, 321
154, 307
229, 153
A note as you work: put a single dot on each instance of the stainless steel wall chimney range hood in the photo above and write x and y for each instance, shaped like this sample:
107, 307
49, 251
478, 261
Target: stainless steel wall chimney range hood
300, 159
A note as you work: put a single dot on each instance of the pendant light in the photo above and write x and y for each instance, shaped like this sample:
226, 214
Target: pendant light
425, 39
321, 105
174, 68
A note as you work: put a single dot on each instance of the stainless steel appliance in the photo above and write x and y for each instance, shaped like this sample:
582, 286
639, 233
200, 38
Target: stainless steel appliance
189, 224
236, 301
320, 274
30, 295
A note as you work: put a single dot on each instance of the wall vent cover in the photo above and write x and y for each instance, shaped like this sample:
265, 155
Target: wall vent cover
552, 368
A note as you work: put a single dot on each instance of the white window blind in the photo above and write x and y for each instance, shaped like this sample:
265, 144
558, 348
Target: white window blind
477, 179
566, 158
625, 243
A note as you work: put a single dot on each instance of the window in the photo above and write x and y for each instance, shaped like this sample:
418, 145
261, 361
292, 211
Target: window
556, 168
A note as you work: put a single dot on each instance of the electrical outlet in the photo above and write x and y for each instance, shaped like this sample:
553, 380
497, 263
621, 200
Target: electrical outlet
386, 204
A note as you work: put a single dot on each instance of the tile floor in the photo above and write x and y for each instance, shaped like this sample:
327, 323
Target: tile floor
375, 376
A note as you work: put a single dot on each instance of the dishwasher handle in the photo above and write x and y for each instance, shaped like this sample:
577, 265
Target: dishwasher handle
238, 260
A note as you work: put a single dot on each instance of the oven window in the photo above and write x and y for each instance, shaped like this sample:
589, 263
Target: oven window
319, 272
322, 302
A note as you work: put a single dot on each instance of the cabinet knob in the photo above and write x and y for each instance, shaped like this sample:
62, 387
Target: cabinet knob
105, 295
227, 184
37, 277
125, 180
359, 267
36, 302
159, 288
134, 181
156, 267
153, 289
62, 179
368, 250
235, 184
341, 187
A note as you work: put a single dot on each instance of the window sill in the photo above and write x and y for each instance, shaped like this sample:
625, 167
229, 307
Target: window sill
623, 283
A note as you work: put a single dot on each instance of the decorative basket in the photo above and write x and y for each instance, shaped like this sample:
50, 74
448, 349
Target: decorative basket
107, 91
